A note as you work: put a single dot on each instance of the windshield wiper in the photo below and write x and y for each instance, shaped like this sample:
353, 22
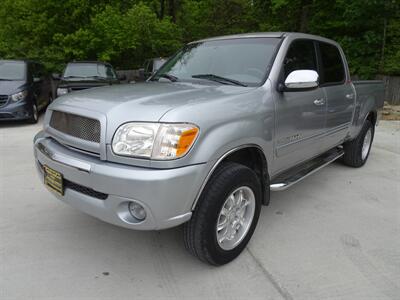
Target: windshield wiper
168, 76
219, 79
73, 76
96, 77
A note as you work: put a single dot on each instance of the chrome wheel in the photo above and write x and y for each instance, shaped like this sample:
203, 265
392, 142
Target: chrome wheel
35, 113
235, 218
366, 144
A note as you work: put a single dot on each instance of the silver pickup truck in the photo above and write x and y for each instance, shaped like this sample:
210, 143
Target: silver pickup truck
205, 140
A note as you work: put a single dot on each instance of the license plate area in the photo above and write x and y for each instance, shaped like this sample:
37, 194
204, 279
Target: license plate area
53, 180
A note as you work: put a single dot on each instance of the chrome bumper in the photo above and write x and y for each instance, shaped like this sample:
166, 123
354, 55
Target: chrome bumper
166, 194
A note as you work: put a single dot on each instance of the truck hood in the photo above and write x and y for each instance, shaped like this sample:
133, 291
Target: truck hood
147, 101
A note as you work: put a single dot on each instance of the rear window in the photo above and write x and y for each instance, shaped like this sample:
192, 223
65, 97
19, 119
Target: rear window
332, 64
12, 70
88, 70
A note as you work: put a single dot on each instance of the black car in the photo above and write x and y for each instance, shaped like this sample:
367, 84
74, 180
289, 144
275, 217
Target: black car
82, 75
25, 89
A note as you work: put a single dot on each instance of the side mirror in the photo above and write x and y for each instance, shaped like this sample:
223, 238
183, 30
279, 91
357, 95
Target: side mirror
302, 79
56, 76
121, 77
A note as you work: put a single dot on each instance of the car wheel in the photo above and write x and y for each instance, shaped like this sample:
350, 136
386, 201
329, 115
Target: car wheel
356, 152
34, 114
226, 215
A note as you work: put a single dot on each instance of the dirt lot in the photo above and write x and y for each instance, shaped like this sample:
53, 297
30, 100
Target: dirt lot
391, 112
336, 235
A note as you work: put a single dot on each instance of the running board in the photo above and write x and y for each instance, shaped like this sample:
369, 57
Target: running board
298, 173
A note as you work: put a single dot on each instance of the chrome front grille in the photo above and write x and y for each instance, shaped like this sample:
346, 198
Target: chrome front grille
3, 100
77, 126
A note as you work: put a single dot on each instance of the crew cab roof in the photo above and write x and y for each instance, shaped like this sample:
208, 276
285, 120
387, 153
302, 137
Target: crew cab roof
267, 35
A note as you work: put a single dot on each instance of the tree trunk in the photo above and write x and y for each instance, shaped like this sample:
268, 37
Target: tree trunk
304, 18
172, 10
162, 9
382, 63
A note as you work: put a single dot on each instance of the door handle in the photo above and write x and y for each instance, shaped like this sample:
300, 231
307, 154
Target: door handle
350, 96
319, 102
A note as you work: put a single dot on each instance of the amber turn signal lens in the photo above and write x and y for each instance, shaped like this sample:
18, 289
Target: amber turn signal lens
186, 141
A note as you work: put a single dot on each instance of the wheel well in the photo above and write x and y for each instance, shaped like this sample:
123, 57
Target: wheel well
372, 117
254, 158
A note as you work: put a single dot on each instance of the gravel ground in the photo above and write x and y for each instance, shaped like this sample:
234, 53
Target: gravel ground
335, 235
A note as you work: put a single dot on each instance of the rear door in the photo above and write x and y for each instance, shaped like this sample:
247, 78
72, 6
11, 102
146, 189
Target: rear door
300, 115
339, 93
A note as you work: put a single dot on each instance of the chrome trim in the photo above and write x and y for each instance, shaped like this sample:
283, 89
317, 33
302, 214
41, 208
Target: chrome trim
216, 165
281, 186
78, 164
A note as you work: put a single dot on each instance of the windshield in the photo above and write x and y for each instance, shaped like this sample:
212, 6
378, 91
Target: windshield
12, 70
244, 60
89, 70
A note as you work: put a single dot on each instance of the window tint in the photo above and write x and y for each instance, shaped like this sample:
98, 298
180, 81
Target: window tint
300, 56
332, 64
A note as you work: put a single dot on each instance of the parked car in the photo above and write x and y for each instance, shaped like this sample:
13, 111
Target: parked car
151, 66
81, 75
223, 123
25, 89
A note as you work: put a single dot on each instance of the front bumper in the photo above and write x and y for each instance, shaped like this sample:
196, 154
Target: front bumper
166, 194
15, 111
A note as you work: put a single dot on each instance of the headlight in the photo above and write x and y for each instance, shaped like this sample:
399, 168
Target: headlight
154, 140
62, 91
19, 96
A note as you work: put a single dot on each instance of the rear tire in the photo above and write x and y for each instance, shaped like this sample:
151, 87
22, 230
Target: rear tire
226, 215
356, 152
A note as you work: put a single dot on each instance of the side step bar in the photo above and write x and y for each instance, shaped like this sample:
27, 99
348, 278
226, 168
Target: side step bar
298, 173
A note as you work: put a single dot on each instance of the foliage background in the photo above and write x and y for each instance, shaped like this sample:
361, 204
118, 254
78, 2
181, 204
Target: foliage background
125, 32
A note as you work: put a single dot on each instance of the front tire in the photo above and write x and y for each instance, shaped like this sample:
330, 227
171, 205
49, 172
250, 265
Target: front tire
226, 215
34, 114
356, 152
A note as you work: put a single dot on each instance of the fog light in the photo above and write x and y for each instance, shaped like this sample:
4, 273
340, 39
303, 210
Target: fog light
137, 211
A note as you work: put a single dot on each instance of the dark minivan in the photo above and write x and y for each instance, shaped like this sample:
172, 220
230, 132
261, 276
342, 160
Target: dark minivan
25, 89
81, 75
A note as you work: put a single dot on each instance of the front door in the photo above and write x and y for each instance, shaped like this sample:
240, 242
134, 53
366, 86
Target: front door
300, 115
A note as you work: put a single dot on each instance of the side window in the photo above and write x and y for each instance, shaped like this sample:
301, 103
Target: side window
37, 71
300, 56
332, 64
110, 72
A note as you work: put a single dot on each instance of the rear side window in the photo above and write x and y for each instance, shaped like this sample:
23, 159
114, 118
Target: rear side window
331, 65
110, 72
37, 71
300, 56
